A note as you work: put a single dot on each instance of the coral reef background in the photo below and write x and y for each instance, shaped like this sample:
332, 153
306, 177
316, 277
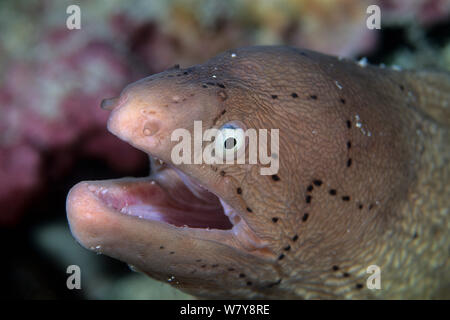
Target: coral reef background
53, 133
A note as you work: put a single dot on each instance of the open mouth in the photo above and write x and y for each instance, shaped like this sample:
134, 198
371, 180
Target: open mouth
168, 195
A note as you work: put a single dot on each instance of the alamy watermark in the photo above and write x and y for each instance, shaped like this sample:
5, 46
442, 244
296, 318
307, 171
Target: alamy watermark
374, 20
73, 21
374, 280
74, 280
227, 145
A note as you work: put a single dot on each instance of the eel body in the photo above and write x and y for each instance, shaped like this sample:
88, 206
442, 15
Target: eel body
363, 180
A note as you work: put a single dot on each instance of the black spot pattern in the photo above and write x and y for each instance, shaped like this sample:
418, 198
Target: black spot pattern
308, 199
349, 144
332, 192
349, 124
209, 83
317, 182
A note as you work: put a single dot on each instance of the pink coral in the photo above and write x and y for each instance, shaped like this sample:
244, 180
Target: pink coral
52, 103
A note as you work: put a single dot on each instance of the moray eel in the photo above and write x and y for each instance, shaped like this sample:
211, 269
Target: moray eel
363, 180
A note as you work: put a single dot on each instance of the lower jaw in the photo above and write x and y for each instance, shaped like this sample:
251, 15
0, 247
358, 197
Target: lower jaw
172, 199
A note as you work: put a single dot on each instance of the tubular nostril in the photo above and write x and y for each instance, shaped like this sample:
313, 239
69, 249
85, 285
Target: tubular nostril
150, 128
109, 104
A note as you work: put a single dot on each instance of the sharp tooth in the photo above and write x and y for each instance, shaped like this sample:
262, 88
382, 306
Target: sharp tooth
156, 164
158, 161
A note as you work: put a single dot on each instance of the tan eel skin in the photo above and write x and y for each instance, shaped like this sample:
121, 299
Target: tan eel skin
363, 180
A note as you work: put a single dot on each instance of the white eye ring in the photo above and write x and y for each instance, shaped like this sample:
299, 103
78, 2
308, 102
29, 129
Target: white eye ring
230, 140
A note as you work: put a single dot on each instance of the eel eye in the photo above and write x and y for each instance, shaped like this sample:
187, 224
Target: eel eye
230, 139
